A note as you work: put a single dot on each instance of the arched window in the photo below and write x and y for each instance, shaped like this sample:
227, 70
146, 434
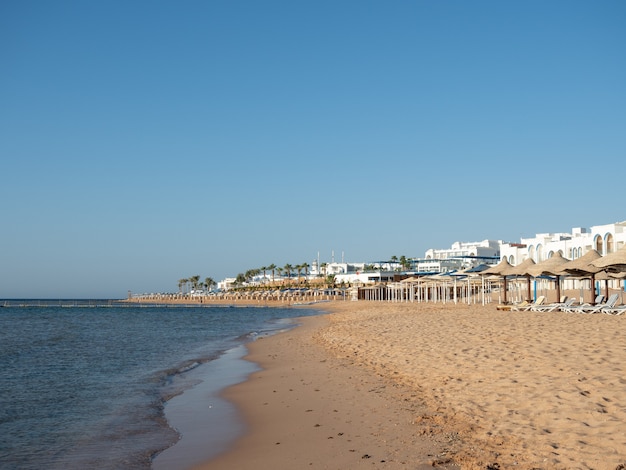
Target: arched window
531, 252
598, 244
550, 254
580, 251
512, 260
608, 242
539, 254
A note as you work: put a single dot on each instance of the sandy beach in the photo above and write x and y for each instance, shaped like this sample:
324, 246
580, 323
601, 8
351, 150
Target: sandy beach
407, 385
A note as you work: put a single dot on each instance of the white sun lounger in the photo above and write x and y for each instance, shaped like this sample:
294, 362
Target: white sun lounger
610, 303
617, 310
578, 308
553, 307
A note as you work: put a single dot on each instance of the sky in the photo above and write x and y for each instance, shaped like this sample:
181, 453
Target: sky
145, 142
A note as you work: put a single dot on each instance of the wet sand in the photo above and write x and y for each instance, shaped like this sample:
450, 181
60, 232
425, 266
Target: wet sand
384, 385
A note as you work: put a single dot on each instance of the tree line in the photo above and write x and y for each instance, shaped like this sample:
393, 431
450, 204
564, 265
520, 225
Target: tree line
193, 283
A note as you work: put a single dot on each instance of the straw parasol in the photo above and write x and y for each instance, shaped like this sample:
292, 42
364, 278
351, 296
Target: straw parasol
500, 269
613, 262
551, 267
607, 276
582, 267
523, 269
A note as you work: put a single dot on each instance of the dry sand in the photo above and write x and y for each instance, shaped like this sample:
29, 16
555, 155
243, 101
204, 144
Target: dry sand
415, 386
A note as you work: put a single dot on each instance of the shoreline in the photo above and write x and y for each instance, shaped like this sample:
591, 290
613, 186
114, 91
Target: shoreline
383, 385
195, 413
296, 415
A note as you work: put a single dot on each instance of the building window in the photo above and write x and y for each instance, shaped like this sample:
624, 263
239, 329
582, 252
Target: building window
608, 241
599, 245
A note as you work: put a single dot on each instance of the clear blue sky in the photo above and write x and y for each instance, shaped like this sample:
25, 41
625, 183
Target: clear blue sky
143, 142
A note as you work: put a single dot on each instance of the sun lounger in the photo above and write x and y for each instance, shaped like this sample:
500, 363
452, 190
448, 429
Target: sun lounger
540, 307
553, 307
517, 306
616, 310
579, 308
610, 303
525, 306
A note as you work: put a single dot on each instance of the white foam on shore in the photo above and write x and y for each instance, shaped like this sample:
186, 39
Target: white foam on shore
207, 423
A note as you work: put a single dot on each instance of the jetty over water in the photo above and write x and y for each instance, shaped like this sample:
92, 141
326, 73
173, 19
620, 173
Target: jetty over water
86, 303
82, 303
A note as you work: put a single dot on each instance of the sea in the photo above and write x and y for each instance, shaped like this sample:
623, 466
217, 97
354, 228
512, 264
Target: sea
85, 384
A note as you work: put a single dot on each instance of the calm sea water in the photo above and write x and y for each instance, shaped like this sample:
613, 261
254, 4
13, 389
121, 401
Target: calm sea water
85, 387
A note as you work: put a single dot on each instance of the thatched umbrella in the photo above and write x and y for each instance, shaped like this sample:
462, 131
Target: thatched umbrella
603, 275
582, 267
609, 276
523, 269
551, 267
501, 269
613, 262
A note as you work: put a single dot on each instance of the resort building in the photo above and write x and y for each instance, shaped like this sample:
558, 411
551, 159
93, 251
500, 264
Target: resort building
464, 255
603, 238
356, 273
226, 284
367, 277
461, 255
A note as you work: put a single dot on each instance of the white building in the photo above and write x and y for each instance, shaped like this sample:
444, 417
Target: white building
603, 238
226, 284
460, 255
485, 248
336, 269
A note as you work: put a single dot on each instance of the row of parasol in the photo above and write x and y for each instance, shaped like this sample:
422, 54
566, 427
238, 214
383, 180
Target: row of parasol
591, 265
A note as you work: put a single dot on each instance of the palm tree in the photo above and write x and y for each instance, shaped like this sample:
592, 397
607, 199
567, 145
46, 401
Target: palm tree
279, 271
240, 279
288, 269
181, 283
195, 281
324, 267
209, 283
272, 267
304, 267
263, 269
